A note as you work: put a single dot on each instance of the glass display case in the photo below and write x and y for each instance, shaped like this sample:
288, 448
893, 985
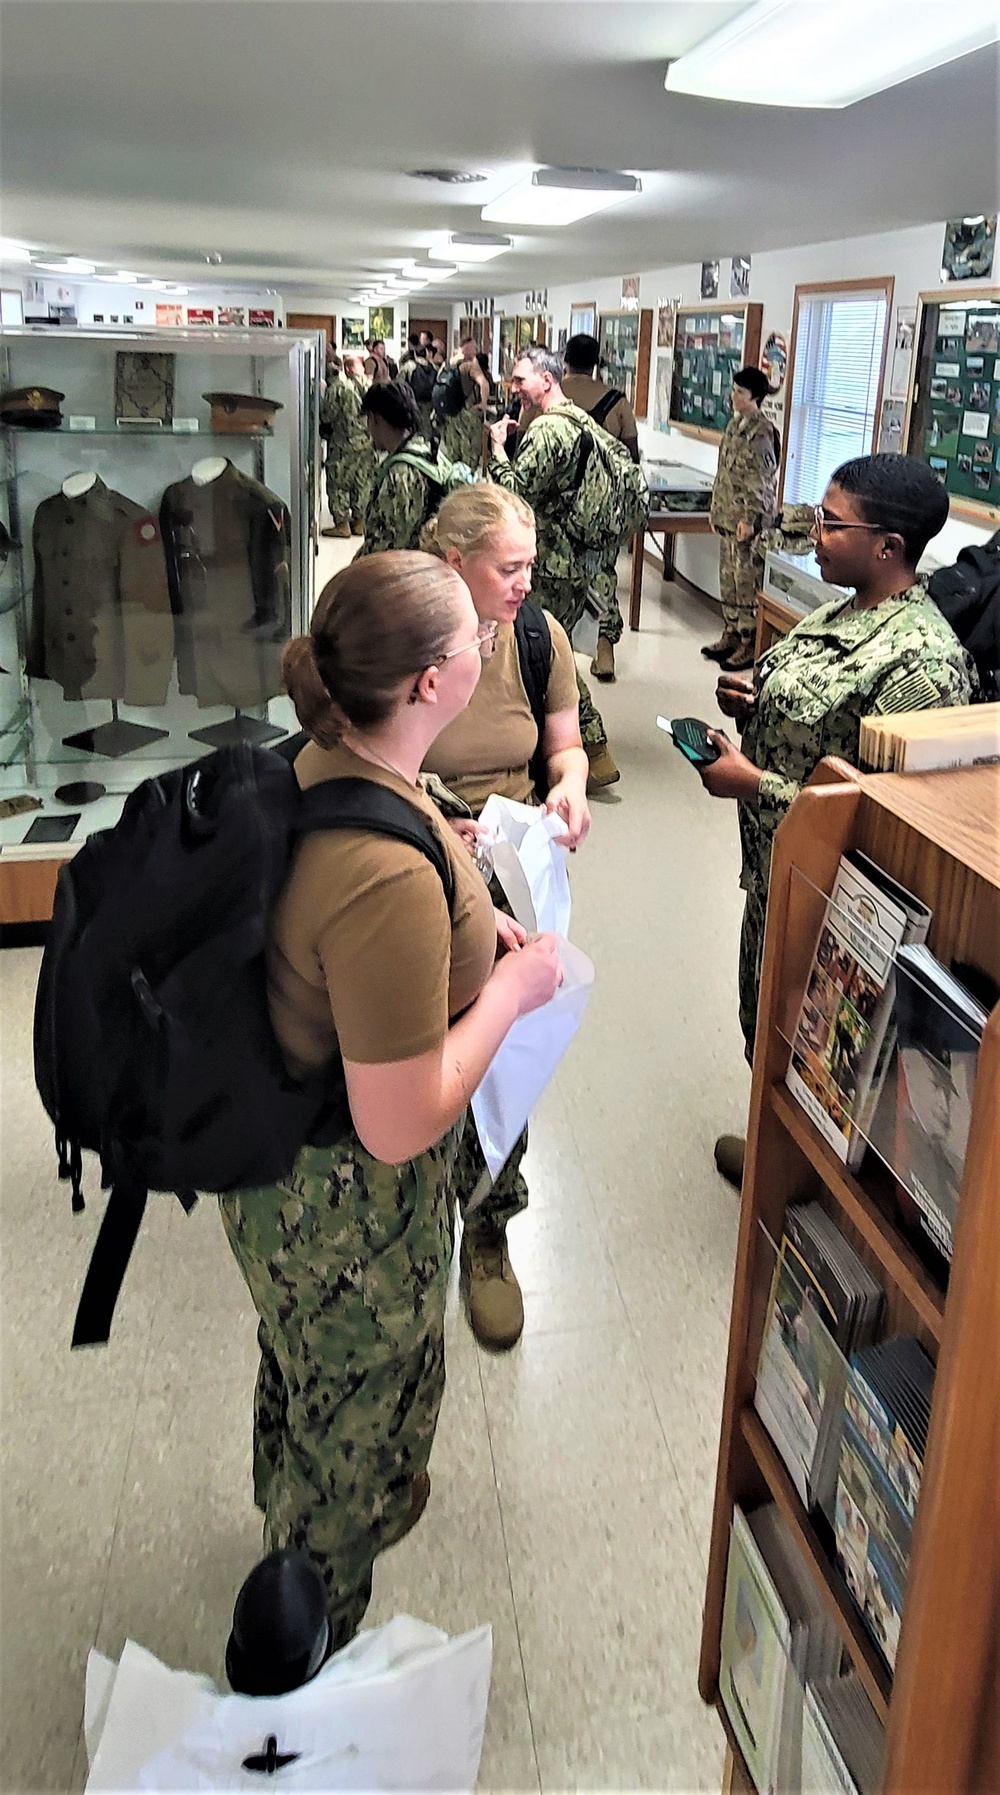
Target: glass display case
953, 415
158, 513
711, 343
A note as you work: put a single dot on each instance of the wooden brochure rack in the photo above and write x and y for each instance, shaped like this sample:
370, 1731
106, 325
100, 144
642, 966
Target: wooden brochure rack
939, 834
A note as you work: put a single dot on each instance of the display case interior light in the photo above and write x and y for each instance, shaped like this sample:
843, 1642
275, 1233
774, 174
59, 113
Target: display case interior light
828, 53
560, 196
13, 252
474, 246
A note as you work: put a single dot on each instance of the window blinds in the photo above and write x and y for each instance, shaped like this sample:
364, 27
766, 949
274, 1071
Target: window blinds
839, 345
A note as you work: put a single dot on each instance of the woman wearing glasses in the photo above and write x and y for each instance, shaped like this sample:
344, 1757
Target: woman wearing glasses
488, 536
886, 648
375, 982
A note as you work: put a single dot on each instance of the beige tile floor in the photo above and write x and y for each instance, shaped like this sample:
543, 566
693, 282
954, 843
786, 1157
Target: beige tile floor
572, 1478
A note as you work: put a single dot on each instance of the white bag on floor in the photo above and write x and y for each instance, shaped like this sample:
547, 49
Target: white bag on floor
529, 866
402, 1707
525, 1061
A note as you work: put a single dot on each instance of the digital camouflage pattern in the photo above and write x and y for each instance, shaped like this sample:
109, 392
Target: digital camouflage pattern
400, 502
347, 1262
462, 438
350, 452
813, 688
567, 600
741, 574
612, 625
745, 492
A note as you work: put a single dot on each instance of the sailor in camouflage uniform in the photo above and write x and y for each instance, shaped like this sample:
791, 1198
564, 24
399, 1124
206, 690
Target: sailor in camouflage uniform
401, 498
886, 649
744, 503
541, 475
350, 452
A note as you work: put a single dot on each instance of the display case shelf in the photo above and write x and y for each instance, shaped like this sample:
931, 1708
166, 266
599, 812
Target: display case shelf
121, 431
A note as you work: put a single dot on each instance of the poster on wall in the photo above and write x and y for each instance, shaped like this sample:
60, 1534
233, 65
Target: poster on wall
902, 351
710, 280
382, 322
664, 382
630, 293
261, 320
890, 435
774, 360
233, 316
171, 315
739, 277
666, 322
969, 244
201, 314
352, 333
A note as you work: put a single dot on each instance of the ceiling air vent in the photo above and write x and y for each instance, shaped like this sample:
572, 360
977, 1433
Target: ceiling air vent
449, 177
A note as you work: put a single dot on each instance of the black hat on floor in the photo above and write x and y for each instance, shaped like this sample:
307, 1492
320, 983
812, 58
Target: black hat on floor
281, 1631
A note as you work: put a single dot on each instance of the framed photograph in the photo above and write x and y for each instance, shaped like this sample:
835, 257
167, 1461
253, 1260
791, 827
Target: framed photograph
382, 322
710, 280
666, 323
198, 314
664, 383
902, 351
739, 277
260, 320
774, 360
630, 293
969, 244
563, 337
352, 333
233, 316
981, 336
583, 319
890, 436
144, 386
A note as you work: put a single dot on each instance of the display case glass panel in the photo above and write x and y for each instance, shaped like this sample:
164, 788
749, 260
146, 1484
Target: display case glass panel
619, 339
953, 420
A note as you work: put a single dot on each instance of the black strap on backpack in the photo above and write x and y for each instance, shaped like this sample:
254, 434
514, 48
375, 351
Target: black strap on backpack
534, 653
605, 406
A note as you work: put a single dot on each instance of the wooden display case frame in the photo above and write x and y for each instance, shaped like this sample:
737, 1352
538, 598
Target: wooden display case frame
638, 393
979, 511
938, 834
752, 313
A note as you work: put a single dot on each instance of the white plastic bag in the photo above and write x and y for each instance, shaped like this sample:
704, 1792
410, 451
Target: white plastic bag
525, 1061
402, 1707
528, 864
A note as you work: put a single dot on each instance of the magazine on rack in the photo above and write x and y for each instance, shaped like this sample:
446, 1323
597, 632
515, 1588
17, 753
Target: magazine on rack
824, 1303
843, 1741
846, 1005
918, 919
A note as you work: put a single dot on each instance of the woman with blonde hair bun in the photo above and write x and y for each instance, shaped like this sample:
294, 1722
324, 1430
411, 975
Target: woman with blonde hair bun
519, 735
395, 995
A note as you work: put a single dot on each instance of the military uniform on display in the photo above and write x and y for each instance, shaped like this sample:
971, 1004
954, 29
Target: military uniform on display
462, 435
400, 501
101, 623
227, 549
745, 492
350, 453
542, 475
813, 687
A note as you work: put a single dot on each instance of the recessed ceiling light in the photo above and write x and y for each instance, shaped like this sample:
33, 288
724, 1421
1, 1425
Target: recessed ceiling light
450, 177
69, 265
122, 279
470, 246
560, 196
13, 252
786, 53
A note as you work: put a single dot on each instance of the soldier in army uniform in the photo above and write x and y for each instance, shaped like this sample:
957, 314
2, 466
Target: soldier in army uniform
401, 498
744, 503
609, 407
886, 649
462, 435
541, 475
400, 1002
350, 452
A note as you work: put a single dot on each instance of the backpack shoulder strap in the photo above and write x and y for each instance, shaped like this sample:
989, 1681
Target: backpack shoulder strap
606, 405
361, 804
409, 458
534, 653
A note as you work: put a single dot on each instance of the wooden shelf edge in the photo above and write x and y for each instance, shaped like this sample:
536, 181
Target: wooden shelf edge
870, 1669
898, 1261
741, 1779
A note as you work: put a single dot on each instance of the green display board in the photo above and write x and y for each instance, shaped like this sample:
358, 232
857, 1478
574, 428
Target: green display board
708, 351
955, 406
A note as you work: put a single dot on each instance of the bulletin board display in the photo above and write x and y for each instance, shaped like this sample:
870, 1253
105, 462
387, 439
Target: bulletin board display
953, 409
711, 344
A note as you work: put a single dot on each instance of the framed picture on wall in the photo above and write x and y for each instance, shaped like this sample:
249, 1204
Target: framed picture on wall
382, 322
712, 343
953, 411
583, 320
352, 333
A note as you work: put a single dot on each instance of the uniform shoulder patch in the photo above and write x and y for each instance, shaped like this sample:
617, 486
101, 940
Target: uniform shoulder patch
909, 690
147, 531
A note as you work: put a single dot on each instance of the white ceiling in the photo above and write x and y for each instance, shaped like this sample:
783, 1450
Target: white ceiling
278, 133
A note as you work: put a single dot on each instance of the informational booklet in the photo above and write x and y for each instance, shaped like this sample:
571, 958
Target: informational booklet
847, 998
843, 1742
918, 919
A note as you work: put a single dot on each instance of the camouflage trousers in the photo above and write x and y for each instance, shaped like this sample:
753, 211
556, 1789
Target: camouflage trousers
741, 572
506, 1197
567, 600
462, 438
348, 485
751, 955
347, 1262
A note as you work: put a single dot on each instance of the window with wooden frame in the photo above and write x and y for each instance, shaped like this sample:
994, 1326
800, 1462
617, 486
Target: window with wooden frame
840, 331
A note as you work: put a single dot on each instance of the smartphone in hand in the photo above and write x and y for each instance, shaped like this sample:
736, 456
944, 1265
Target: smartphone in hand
690, 735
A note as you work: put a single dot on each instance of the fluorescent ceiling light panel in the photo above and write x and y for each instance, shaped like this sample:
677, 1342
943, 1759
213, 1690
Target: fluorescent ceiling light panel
560, 196
13, 252
69, 265
122, 279
828, 53
475, 246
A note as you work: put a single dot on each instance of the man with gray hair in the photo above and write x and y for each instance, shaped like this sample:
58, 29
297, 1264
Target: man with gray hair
543, 474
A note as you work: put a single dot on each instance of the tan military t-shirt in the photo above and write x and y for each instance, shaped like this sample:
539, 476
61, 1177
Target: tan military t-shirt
487, 747
585, 391
362, 953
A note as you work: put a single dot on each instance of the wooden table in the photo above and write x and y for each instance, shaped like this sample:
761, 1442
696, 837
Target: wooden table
667, 524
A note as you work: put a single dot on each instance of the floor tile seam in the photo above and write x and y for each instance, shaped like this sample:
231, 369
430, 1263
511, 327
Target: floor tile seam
685, 1506
510, 1578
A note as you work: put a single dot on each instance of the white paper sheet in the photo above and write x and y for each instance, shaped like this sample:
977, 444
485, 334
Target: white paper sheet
529, 866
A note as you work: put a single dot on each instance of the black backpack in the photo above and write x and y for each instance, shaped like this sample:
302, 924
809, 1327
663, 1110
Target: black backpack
153, 1042
448, 396
534, 653
968, 595
423, 379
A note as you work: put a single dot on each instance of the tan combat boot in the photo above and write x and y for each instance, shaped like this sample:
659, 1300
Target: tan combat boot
723, 648
730, 1152
420, 1490
336, 530
357, 526
603, 664
491, 1290
741, 659
602, 768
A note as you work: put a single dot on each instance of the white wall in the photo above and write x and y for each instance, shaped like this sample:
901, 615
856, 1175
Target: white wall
912, 257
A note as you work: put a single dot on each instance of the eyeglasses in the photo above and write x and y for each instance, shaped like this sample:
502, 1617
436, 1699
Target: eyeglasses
485, 640
823, 522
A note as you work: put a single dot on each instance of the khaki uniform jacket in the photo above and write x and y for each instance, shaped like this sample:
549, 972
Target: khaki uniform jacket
227, 547
100, 624
585, 391
746, 484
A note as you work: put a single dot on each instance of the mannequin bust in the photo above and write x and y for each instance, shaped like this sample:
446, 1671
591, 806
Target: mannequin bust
209, 469
75, 485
